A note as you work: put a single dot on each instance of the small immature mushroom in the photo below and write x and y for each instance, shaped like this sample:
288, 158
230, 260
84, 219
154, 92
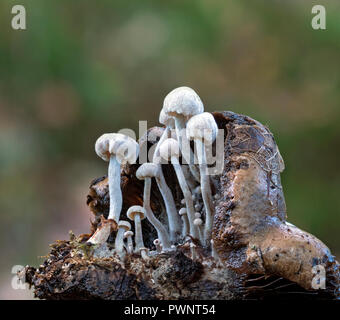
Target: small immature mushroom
170, 150
198, 223
137, 213
183, 214
157, 244
193, 251
198, 207
145, 172
181, 104
144, 253
202, 128
123, 226
128, 235
169, 125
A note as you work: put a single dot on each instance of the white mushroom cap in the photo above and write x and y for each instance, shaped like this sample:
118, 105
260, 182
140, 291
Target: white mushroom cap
182, 211
132, 211
128, 234
202, 126
147, 170
184, 101
197, 215
198, 222
166, 120
198, 189
124, 224
123, 147
169, 148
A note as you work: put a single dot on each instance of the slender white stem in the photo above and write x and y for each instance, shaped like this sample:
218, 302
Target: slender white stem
161, 231
185, 229
119, 242
116, 198
206, 189
187, 196
138, 233
184, 146
170, 206
129, 244
173, 218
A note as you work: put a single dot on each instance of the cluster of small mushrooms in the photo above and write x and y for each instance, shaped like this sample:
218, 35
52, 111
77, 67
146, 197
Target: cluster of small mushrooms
185, 120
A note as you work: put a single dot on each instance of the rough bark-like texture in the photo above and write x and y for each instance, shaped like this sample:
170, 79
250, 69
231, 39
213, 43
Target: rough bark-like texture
261, 256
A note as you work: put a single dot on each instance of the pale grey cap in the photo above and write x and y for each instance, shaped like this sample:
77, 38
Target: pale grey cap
166, 120
182, 211
184, 101
169, 148
123, 147
202, 126
132, 211
147, 170
124, 224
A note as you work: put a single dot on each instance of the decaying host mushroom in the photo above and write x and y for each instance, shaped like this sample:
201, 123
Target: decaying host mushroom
249, 242
117, 149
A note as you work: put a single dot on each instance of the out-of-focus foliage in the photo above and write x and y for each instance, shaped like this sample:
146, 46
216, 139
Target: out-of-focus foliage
85, 67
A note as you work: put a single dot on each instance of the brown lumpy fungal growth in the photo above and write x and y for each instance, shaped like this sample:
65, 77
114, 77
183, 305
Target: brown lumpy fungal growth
69, 273
253, 252
250, 231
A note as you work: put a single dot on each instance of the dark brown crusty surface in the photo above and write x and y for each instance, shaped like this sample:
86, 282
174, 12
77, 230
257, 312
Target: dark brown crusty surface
261, 256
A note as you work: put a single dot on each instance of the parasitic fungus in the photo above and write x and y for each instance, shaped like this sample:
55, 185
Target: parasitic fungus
181, 104
145, 172
183, 214
202, 128
117, 149
169, 150
123, 226
137, 214
128, 235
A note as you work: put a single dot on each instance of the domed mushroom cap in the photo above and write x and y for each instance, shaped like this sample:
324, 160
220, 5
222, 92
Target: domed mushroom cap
128, 234
169, 148
124, 224
135, 210
166, 120
123, 147
182, 211
198, 222
184, 101
197, 215
202, 126
147, 170
156, 242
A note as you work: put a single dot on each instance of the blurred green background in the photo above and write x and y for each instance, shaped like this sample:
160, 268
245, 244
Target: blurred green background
83, 68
